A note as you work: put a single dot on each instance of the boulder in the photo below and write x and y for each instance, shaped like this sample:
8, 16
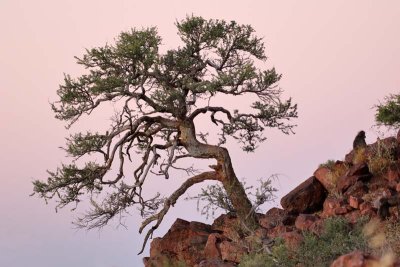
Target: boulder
227, 224
325, 177
360, 259
333, 206
305, 198
359, 172
184, 242
305, 221
273, 217
354, 259
355, 202
328, 175
359, 189
232, 252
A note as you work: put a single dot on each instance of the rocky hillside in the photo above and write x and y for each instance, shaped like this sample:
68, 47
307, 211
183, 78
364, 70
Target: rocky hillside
366, 184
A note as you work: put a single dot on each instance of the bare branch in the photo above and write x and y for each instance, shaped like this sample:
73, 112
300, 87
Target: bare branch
171, 202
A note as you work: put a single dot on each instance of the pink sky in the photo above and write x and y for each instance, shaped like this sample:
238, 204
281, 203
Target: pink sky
338, 59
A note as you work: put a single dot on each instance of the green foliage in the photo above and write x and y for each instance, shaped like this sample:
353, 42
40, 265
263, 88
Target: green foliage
215, 197
388, 112
381, 158
328, 164
157, 97
337, 238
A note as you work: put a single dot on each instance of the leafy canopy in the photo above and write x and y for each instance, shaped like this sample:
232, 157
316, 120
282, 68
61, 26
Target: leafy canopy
157, 97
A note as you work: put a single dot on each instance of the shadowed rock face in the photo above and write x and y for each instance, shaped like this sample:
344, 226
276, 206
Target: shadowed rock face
306, 198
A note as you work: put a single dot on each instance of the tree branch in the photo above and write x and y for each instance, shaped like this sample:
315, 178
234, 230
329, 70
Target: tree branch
171, 202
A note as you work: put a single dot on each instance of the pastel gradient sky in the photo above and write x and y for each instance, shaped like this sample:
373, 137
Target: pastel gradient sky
338, 59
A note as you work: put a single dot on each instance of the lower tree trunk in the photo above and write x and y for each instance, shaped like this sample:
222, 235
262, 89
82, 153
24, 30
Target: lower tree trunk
224, 169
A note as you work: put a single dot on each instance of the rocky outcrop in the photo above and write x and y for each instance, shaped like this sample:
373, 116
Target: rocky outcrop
306, 198
356, 192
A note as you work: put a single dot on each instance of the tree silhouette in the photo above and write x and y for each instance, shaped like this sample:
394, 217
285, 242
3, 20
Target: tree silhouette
158, 96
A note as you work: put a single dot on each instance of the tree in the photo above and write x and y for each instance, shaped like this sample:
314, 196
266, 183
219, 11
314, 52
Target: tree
388, 112
159, 96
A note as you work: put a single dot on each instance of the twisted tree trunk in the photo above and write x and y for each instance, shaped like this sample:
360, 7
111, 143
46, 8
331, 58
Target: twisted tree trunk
224, 170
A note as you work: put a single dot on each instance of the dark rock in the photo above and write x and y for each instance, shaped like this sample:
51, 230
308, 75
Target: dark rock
359, 189
305, 198
273, 217
359, 172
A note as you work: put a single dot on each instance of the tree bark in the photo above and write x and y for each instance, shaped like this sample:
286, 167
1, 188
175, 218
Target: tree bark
224, 169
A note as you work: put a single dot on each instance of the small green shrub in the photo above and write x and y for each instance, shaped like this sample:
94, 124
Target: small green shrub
214, 197
381, 159
337, 238
328, 164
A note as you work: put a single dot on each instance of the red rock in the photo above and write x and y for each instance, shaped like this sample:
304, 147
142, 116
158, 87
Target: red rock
359, 172
305, 198
279, 230
324, 176
227, 224
398, 187
272, 218
355, 259
330, 206
359, 189
231, 251
341, 210
304, 221
355, 202
393, 174
367, 209
185, 241
211, 250
292, 239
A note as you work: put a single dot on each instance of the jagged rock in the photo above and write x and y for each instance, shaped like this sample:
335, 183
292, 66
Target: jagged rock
211, 248
359, 189
273, 217
231, 251
228, 225
305, 221
367, 209
279, 230
331, 206
359, 172
305, 198
355, 202
324, 176
327, 177
185, 241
